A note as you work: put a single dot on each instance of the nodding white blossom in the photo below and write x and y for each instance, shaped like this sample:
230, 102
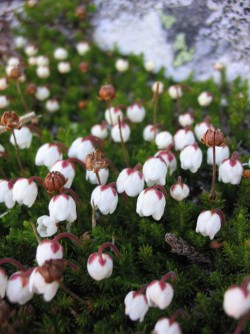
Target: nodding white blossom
236, 301
166, 326
100, 266
105, 198
62, 207
13, 62
209, 223
163, 139
201, 128
149, 133
221, 153
159, 294
23, 137
82, 48
231, 170
20, 42
204, 99
25, 192
130, 181
92, 177
175, 92
38, 285
151, 202
4, 101
67, 169
121, 65
32, 61
136, 305
191, 158
31, 50
81, 147
52, 105
155, 171
43, 72
64, 67
42, 93
115, 132
160, 86
48, 250
179, 191
17, 289
42, 61
182, 138
3, 282
3, 83
115, 113
170, 160
149, 65
60, 54
99, 131
186, 119
46, 226
6, 193
47, 155
136, 113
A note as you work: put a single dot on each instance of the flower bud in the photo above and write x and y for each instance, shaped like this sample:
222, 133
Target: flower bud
60, 54
63, 67
213, 138
175, 92
205, 98
107, 93
149, 66
100, 266
43, 72
149, 133
136, 113
54, 181
52, 105
179, 191
121, 65
158, 85
210, 222
82, 48
186, 119
42, 93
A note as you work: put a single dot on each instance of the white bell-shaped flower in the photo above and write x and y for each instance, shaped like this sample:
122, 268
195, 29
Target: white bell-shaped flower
191, 158
92, 177
82, 48
209, 223
204, 99
186, 119
38, 285
31, 50
130, 181
4, 102
166, 326
62, 207
3, 283
182, 138
175, 92
6, 193
46, 226
151, 202
25, 192
64, 67
32, 61
99, 131
179, 191
18, 288
149, 65
136, 113
136, 305
121, 65
60, 54
221, 153
3, 83
201, 128
47, 155
42, 93
112, 115
149, 133
48, 250
67, 169
20, 42
115, 132
169, 158
42, 61
159, 85
236, 302
43, 72
23, 137
163, 139
231, 170
155, 171
52, 105
13, 62
105, 198
81, 147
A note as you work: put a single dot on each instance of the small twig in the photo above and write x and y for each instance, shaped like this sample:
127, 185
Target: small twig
71, 293
93, 215
21, 97
35, 232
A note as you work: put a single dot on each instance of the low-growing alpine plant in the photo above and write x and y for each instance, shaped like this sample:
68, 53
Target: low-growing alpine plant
147, 177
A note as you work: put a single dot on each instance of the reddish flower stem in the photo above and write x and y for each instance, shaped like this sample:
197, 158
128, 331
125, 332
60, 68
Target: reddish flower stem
110, 245
161, 188
17, 151
110, 163
142, 289
67, 235
241, 324
170, 275
72, 193
112, 184
124, 150
12, 261
179, 180
75, 160
62, 146
178, 313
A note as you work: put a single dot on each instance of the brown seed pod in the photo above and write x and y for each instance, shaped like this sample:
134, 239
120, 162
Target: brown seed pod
52, 270
84, 67
15, 73
82, 104
246, 173
94, 161
106, 93
80, 12
54, 181
31, 89
11, 120
213, 138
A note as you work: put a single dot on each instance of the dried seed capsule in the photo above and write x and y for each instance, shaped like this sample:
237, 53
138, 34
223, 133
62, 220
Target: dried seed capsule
54, 181
11, 120
213, 138
107, 93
